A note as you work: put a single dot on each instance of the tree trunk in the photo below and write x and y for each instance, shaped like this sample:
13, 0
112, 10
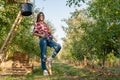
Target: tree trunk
85, 61
103, 60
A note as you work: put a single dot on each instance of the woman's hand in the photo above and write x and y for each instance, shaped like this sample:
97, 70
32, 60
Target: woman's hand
39, 35
43, 35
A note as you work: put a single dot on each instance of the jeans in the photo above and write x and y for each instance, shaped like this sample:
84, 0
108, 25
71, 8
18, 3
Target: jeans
43, 46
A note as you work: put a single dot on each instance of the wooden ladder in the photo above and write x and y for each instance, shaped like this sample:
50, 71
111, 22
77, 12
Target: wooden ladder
10, 36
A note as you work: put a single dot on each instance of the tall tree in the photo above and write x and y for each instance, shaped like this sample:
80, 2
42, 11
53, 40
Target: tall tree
101, 31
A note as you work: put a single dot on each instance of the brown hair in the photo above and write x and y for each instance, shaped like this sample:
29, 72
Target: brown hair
38, 16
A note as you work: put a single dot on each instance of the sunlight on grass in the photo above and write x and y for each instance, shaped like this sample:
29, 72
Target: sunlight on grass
63, 71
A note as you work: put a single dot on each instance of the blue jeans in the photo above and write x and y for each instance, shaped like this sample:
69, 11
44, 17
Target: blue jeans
43, 46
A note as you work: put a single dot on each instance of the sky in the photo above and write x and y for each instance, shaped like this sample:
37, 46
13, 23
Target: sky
55, 11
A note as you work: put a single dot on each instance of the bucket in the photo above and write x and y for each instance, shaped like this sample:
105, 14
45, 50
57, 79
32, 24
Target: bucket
26, 9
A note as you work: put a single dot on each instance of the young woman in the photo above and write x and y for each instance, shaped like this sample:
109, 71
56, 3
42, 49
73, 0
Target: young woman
46, 39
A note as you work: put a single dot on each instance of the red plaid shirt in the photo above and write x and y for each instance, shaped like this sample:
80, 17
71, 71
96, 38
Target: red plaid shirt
41, 28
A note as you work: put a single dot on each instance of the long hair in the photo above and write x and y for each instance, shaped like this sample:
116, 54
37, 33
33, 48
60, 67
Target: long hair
38, 16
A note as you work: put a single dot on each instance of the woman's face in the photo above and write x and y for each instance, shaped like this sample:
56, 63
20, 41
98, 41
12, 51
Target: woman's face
41, 18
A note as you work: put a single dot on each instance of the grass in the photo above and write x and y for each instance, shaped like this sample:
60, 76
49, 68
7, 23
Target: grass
63, 71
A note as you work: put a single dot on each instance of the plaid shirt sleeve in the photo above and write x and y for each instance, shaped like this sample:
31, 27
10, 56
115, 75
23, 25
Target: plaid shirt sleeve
36, 28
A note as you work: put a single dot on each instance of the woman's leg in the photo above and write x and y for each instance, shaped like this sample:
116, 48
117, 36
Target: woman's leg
56, 46
43, 47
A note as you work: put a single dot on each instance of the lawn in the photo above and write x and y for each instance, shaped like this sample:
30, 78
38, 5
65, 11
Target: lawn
62, 71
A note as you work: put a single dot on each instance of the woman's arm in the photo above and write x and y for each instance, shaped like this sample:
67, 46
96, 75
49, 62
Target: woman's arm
39, 35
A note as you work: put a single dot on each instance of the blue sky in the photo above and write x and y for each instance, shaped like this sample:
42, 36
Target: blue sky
55, 11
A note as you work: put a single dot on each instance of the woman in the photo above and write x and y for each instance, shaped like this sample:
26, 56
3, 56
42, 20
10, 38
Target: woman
46, 39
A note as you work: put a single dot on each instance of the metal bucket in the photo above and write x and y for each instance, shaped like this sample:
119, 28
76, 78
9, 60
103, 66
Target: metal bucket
26, 9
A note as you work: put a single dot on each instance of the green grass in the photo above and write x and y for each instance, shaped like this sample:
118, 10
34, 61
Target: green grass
63, 71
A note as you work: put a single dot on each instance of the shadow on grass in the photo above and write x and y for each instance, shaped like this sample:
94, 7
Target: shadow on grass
63, 71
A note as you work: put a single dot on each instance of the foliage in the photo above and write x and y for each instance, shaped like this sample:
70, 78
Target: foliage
107, 22
94, 32
6, 18
74, 2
